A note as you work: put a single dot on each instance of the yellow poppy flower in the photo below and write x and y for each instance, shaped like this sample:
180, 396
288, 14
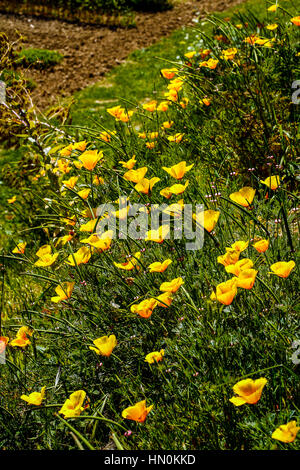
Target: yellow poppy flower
251, 39
145, 308
135, 176
178, 171
121, 214
20, 248
228, 54
120, 114
104, 345
98, 180
129, 164
106, 136
248, 391
46, 260
63, 291
138, 412
77, 164
273, 8
282, 268
151, 106
184, 102
81, 256
80, 145
166, 193
272, 182
89, 226
246, 278
132, 263
66, 151
145, 185
64, 166
175, 209
209, 218
84, 193
172, 95
90, 213
177, 138
167, 124
158, 235
155, 356
21, 339
44, 250
264, 42
272, 27
225, 292
206, 101
100, 242
153, 135
90, 158
286, 432
150, 145
296, 20
70, 183
210, 64
34, 398
63, 240
175, 84
239, 245
163, 106
169, 73
12, 200
204, 53
239, 266
164, 300
190, 55
244, 196
73, 405
70, 220
230, 257
174, 189
172, 286
262, 245
158, 267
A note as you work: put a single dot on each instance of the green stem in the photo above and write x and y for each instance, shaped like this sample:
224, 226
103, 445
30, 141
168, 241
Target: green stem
77, 433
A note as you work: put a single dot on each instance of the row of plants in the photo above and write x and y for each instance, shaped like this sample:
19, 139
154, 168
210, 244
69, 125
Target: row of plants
105, 12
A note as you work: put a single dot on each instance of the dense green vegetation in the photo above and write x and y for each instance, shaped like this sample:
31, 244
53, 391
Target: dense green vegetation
105, 5
110, 12
204, 117
38, 58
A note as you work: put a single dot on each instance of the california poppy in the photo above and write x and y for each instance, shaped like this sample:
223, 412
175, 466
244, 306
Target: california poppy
248, 391
138, 412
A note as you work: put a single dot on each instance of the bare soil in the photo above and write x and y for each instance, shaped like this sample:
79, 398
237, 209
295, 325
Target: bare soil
90, 50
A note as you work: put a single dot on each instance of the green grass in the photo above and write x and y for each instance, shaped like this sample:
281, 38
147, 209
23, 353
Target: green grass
38, 58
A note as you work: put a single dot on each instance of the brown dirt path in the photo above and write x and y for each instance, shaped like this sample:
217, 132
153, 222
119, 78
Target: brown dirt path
90, 50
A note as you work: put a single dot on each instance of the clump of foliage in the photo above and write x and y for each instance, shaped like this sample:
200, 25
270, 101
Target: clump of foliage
38, 58
21, 135
16, 99
206, 336
108, 12
104, 5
